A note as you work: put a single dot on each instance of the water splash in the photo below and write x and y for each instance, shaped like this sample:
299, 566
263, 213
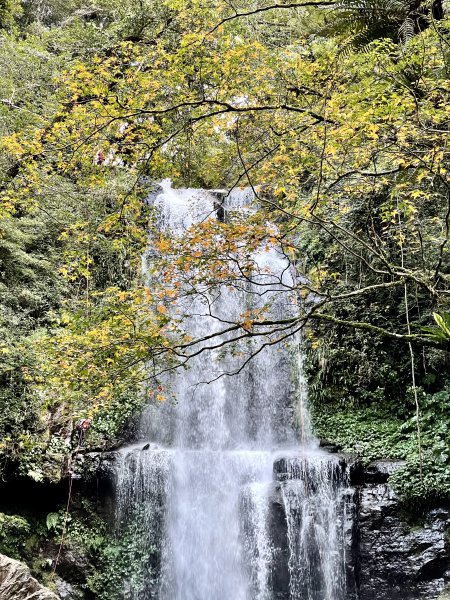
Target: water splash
314, 501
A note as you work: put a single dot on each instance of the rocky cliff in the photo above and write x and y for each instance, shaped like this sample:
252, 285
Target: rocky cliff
392, 553
398, 555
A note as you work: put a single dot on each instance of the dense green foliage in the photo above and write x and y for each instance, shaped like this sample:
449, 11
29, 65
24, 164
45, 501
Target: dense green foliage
96, 558
56, 252
365, 193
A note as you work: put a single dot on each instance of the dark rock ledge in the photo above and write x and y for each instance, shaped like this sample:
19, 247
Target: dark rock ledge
398, 555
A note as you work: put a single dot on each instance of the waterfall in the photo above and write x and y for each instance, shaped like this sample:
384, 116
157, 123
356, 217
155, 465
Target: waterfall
233, 453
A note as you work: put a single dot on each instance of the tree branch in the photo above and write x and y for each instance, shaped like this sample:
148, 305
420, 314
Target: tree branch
270, 7
401, 337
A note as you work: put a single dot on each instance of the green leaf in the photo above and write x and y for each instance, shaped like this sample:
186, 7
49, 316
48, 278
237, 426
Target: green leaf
36, 475
52, 520
443, 322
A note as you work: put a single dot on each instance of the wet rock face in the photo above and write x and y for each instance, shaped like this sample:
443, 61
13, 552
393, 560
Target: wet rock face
16, 582
400, 559
311, 525
391, 554
279, 574
379, 471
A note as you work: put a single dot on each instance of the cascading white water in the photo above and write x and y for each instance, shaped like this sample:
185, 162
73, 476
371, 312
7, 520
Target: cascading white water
217, 462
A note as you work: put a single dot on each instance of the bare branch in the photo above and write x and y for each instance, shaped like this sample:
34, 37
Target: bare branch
271, 7
401, 337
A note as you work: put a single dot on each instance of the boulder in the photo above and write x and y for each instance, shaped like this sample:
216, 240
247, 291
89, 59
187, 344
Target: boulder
330, 447
379, 471
16, 582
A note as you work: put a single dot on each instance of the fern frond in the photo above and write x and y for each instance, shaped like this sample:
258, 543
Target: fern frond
362, 21
407, 29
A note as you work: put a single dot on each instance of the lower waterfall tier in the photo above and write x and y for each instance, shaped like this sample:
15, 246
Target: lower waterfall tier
247, 525
391, 553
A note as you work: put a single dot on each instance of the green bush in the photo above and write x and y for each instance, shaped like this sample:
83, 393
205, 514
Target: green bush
368, 433
374, 432
14, 533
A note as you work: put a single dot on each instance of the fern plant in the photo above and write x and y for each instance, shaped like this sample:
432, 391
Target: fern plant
360, 22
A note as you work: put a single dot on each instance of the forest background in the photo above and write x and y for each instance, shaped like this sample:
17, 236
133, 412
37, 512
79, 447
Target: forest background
336, 114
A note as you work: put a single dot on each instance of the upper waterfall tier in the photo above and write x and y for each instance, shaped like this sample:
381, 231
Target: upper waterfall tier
181, 208
264, 404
